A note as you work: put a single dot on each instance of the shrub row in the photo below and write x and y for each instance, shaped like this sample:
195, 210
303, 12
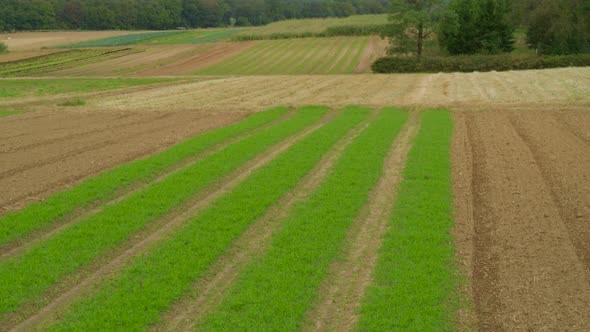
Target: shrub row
478, 63
334, 31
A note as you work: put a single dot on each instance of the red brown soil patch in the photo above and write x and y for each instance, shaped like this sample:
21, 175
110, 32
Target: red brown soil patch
74, 146
528, 266
200, 61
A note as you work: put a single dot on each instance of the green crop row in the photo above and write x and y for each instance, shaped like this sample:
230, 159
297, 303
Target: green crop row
125, 40
59, 61
415, 278
275, 292
106, 186
289, 57
8, 112
28, 275
169, 271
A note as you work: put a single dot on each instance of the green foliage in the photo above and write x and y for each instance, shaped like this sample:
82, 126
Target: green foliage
194, 248
412, 23
276, 290
332, 31
478, 63
415, 280
3, 48
81, 243
106, 186
74, 102
560, 27
477, 26
44, 87
131, 39
58, 61
4, 113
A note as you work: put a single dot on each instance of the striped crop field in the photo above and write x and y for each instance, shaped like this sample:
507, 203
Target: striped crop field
294, 56
251, 226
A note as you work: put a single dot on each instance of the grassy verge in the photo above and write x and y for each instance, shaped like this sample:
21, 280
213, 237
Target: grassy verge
8, 112
44, 87
415, 281
274, 293
168, 272
106, 186
77, 245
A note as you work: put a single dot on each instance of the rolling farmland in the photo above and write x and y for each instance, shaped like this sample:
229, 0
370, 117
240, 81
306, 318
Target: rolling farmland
187, 183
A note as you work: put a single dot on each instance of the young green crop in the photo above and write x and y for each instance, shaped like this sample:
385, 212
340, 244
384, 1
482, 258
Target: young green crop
274, 293
124, 40
168, 272
44, 87
237, 61
311, 56
290, 58
330, 60
415, 279
355, 58
269, 59
77, 245
341, 65
8, 112
105, 186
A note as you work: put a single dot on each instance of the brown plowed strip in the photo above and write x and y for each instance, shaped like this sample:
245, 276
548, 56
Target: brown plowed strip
200, 61
526, 272
79, 283
577, 122
340, 294
564, 161
376, 48
23, 244
38, 182
463, 231
211, 289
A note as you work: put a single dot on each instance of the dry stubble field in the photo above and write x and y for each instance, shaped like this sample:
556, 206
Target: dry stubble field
520, 166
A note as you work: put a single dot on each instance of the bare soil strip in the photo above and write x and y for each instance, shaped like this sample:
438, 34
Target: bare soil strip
527, 274
340, 294
63, 295
375, 49
22, 244
38, 176
211, 289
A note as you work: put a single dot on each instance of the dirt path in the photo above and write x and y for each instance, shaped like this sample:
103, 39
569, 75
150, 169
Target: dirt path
220, 277
526, 271
82, 282
31, 174
341, 292
376, 48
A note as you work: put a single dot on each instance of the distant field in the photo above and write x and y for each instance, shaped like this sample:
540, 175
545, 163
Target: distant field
131, 39
314, 25
295, 56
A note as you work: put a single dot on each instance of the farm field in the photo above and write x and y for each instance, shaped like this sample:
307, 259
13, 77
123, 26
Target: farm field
27, 41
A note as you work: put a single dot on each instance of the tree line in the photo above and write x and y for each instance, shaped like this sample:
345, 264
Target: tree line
487, 26
170, 14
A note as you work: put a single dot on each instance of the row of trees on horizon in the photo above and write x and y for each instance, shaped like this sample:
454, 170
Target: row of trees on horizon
168, 14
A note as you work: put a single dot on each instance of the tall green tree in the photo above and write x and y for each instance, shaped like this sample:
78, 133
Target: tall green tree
412, 23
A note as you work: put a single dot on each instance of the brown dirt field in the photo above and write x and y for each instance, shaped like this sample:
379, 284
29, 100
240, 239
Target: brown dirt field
376, 48
26, 41
528, 90
214, 54
46, 152
523, 220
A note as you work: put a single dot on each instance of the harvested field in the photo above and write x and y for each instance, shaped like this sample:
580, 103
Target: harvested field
15, 56
26, 41
523, 219
46, 152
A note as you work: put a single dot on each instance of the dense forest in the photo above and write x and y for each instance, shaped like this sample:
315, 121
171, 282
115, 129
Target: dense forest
170, 14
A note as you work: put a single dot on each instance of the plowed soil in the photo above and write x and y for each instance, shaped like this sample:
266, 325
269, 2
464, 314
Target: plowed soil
46, 152
524, 219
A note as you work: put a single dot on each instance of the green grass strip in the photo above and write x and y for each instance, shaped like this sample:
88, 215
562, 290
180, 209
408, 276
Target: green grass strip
293, 54
343, 61
8, 112
26, 276
106, 186
169, 271
131, 39
354, 61
415, 279
275, 292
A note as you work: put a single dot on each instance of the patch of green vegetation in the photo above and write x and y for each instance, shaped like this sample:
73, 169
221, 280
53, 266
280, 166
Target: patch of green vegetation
415, 279
45, 87
126, 40
106, 186
169, 270
59, 61
8, 112
81, 243
275, 292
74, 102
197, 37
